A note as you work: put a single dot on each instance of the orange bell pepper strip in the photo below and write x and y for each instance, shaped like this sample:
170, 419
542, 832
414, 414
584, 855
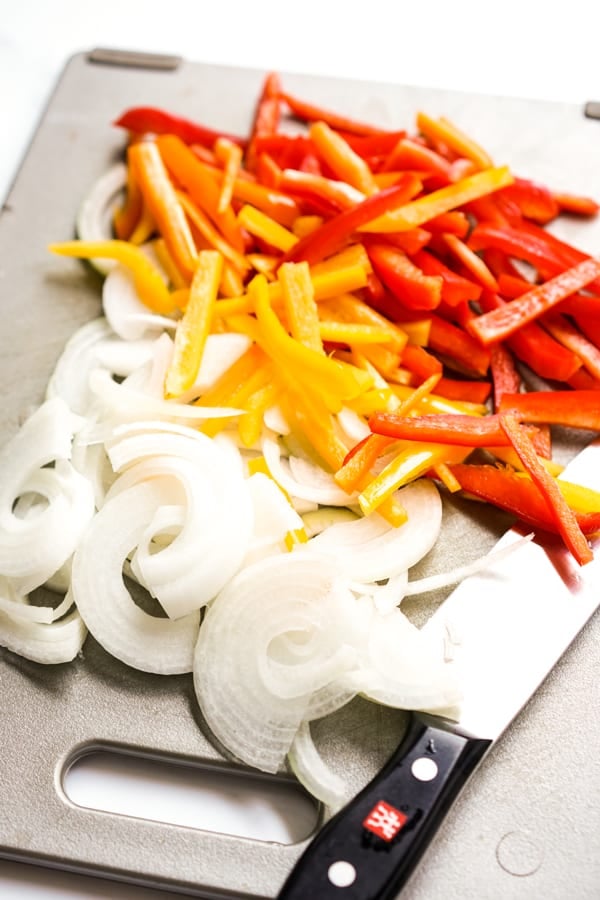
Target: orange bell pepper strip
127, 215
193, 328
562, 514
336, 232
576, 205
148, 281
517, 494
339, 156
429, 206
230, 157
445, 132
162, 200
190, 174
502, 322
211, 235
262, 226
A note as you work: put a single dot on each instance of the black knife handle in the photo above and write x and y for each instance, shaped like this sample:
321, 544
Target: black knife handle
370, 847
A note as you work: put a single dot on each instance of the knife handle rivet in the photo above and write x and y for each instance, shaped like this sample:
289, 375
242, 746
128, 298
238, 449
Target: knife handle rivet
341, 873
424, 769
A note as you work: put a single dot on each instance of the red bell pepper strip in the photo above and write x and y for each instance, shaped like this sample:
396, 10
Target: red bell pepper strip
405, 280
150, 120
452, 428
564, 517
535, 201
515, 494
473, 263
421, 363
535, 347
459, 346
569, 336
372, 146
505, 375
453, 222
266, 117
463, 389
555, 408
583, 381
309, 112
334, 233
410, 241
502, 322
455, 288
408, 154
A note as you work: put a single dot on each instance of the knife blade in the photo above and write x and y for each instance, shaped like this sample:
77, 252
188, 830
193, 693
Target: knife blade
509, 626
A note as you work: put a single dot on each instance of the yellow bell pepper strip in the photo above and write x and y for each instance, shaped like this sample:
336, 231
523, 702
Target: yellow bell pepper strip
265, 228
348, 308
212, 236
408, 465
230, 157
149, 282
352, 333
442, 131
239, 398
299, 304
563, 516
250, 424
339, 156
307, 413
205, 192
334, 380
420, 211
166, 260
519, 495
145, 227
233, 378
573, 410
159, 194
193, 328
506, 320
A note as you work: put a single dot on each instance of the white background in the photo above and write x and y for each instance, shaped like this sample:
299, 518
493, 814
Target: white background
529, 49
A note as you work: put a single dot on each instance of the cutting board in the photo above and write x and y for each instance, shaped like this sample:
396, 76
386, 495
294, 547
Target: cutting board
528, 825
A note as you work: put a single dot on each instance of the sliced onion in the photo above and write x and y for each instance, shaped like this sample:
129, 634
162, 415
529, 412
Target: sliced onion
352, 425
276, 617
94, 219
220, 352
317, 520
370, 549
59, 642
274, 518
311, 771
403, 668
316, 485
17, 606
124, 400
209, 544
69, 379
146, 642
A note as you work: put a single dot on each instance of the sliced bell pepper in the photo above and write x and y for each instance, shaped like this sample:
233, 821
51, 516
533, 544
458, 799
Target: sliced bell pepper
581, 410
419, 211
502, 322
576, 205
455, 288
230, 157
266, 116
334, 233
268, 230
474, 264
566, 333
444, 131
299, 304
406, 281
459, 346
464, 430
517, 495
148, 281
210, 234
160, 195
193, 328
309, 112
564, 517
341, 159
150, 120
535, 201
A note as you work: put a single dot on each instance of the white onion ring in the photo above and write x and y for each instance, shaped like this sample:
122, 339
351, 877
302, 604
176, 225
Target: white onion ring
318, 487
94, 218
312, 772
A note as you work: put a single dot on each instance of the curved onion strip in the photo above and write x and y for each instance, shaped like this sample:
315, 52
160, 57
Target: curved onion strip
94, 218
146, 642
123, 399
386, 596
252, 621
34, 548
124, 357
58, 642
274, 518
275, 421
403, 668
128, 316
352, 425
385, 551
220, 352
209, 545
17, 606
319, 488
69, 379
453, 576
311, 771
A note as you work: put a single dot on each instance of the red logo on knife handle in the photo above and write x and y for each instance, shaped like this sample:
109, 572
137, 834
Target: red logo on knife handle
385, 821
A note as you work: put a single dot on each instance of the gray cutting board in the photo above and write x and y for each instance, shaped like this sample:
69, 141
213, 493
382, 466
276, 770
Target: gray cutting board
528, 826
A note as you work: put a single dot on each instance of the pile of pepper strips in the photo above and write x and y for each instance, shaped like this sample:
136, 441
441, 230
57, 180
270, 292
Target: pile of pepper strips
381, 271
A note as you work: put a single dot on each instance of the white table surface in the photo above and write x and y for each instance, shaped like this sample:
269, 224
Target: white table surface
546, 51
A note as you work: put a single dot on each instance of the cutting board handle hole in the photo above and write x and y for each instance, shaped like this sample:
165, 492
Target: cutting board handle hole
200, 795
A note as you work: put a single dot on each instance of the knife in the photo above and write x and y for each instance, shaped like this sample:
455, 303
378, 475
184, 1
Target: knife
508, 626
